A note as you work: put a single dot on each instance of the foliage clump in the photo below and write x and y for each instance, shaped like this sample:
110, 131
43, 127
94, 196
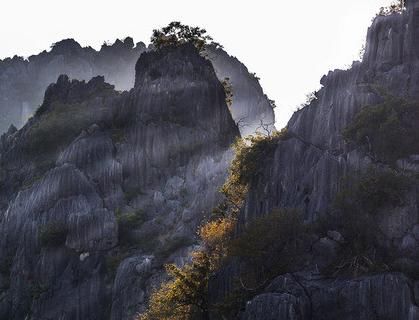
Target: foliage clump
357, 207
185, 295
267, 247
176, 34
228, 90
387, 131
54, 129
53, 234
250, 153
268, 243
127, 222
395, 7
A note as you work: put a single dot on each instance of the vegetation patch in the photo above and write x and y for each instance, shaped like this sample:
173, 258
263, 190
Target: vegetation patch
374, 190
269, 246
356, 208
228, 90
397, 6
53, 234
127, 223
37, 289
250, 154
57, 128
113, 262
387, 131
176, 34
185, 295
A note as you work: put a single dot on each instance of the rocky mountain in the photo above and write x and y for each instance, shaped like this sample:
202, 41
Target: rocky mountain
339, 165
24, 81
91, 207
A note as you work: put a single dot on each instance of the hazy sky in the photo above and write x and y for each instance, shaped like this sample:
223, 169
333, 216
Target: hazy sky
289, 44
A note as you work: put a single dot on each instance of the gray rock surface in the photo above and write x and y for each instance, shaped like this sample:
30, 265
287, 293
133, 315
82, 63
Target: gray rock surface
303, 297
23, 81
251, 108
159, 153
306, 172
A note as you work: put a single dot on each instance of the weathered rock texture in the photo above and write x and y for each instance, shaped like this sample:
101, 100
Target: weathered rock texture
92, 155
251, 108
23, 82
303, 296
306, 172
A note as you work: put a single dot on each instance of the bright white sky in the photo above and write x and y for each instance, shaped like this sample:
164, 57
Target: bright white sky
289, 44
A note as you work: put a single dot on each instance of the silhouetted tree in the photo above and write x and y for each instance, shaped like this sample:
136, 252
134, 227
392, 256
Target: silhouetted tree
177, 33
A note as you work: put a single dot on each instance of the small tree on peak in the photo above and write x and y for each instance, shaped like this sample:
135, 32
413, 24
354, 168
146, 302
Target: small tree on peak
177, 33
395, 7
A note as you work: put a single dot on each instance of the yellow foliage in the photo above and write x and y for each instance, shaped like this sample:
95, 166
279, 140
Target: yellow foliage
249, 154
215, 233
184, 297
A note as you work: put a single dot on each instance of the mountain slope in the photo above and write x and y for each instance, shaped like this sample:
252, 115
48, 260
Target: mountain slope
100, 187
23, 82
335, 179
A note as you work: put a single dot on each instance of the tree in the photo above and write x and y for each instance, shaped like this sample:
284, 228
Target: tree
228, 90
177, 33
396, 7
185, 296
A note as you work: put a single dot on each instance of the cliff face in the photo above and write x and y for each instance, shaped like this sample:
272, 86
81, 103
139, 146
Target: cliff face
23, 82
309, 169
306, 169
251, 108
100, 188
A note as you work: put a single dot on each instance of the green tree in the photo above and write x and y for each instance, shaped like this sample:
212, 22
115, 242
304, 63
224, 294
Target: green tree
396, 7
177, 33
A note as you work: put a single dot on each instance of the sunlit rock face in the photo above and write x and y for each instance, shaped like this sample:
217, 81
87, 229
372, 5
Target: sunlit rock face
91, 155
23, 82
251, 108
308, 169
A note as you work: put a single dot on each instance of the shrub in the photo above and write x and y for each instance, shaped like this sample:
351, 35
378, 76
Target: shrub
356, 207
118, 135
250, 153
310, 97
37, 289
396, 7
176, 34
185, 295
269, 245
387, 131
128, 222
132, 192
228, 90
53, 234
54, 129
